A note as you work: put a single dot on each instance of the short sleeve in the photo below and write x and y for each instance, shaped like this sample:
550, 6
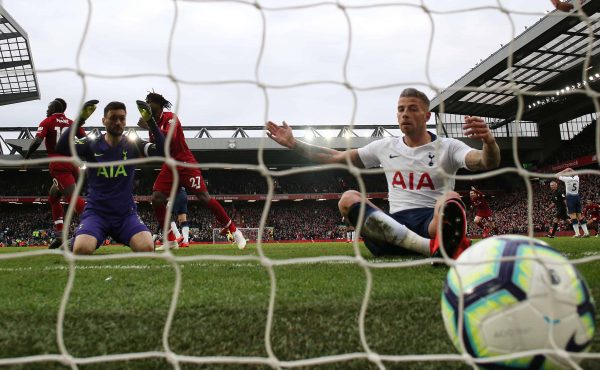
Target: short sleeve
42, 130
457, 150
368, 154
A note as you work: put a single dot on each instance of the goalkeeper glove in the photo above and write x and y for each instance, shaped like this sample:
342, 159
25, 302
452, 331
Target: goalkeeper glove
88, 108
145, 110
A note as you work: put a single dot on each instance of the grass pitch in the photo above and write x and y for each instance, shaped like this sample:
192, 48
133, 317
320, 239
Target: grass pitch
121, 305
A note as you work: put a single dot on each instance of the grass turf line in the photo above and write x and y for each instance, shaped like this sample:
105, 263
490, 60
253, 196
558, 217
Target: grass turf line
120, 306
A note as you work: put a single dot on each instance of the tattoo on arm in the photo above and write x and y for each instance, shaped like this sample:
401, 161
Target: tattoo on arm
316, 153
486, 159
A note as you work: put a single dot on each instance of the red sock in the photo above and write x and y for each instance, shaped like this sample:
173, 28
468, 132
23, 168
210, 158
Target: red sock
171, 236
57, 212
217, 209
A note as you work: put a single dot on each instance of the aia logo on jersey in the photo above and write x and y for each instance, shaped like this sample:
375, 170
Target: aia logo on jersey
408, 181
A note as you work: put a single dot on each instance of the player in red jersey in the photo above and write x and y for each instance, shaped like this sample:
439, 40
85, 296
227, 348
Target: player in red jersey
64, 174
591, 212
484, 218
189, 177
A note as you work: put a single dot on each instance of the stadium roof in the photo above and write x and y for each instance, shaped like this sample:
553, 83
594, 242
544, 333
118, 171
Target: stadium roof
548, 63
241, 147
18, 81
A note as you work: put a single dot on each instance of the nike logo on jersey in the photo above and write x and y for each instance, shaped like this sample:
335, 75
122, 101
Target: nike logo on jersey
394, 156
98, 154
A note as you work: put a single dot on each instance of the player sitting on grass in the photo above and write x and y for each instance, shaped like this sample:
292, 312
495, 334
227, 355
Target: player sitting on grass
111, 209
416, 187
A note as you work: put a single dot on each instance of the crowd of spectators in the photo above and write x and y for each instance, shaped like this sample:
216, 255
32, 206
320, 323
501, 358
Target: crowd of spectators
510, 208
305, 220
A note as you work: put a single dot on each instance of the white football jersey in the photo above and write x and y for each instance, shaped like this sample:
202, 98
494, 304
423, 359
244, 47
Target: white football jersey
571, 184
413, 176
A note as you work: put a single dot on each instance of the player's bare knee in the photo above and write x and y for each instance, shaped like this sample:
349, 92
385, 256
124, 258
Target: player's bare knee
142, 242
84, 244
83, 249
144, 247
347, 199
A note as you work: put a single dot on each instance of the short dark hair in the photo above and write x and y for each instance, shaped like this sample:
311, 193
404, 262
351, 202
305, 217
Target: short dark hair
62, 103
114, 105
158, 99
414, 93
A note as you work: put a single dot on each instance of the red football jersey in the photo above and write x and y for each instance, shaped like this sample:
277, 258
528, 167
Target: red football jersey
479, 202
592, 211
179, 149
51, 128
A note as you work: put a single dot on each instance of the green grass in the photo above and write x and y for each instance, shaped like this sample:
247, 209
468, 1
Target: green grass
120, 306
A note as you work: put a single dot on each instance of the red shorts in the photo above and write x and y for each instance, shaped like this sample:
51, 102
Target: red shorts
190, 178
64, 173
485, 213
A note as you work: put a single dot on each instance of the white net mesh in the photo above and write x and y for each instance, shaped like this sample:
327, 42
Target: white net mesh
356, 19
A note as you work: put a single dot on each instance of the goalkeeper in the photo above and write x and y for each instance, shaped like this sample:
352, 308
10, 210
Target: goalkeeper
110, 209
415, 165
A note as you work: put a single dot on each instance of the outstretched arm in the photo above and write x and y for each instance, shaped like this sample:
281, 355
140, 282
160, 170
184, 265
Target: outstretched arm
35, 144
283, 136
150, 149
489, 156
81, 145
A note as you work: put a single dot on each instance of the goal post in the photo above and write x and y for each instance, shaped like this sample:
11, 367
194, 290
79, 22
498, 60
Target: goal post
250, 233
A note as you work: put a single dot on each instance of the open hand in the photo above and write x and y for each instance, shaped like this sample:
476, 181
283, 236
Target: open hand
282, 135
87, 109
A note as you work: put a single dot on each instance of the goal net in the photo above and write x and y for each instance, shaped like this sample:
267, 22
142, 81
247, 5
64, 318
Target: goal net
307, 62
250, 233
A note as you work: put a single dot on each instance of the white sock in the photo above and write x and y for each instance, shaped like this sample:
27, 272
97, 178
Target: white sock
576, 228
186, 233
174, 229
585, 229
381, 227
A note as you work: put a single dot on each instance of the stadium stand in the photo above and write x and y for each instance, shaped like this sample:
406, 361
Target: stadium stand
301, 220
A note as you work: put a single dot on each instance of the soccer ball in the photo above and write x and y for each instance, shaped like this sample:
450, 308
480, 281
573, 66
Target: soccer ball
535, 302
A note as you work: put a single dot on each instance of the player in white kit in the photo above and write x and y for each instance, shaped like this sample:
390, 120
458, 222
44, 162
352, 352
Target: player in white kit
574, 203
415, 166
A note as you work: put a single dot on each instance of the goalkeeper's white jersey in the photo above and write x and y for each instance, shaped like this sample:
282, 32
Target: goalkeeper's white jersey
571, 184
413, 174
